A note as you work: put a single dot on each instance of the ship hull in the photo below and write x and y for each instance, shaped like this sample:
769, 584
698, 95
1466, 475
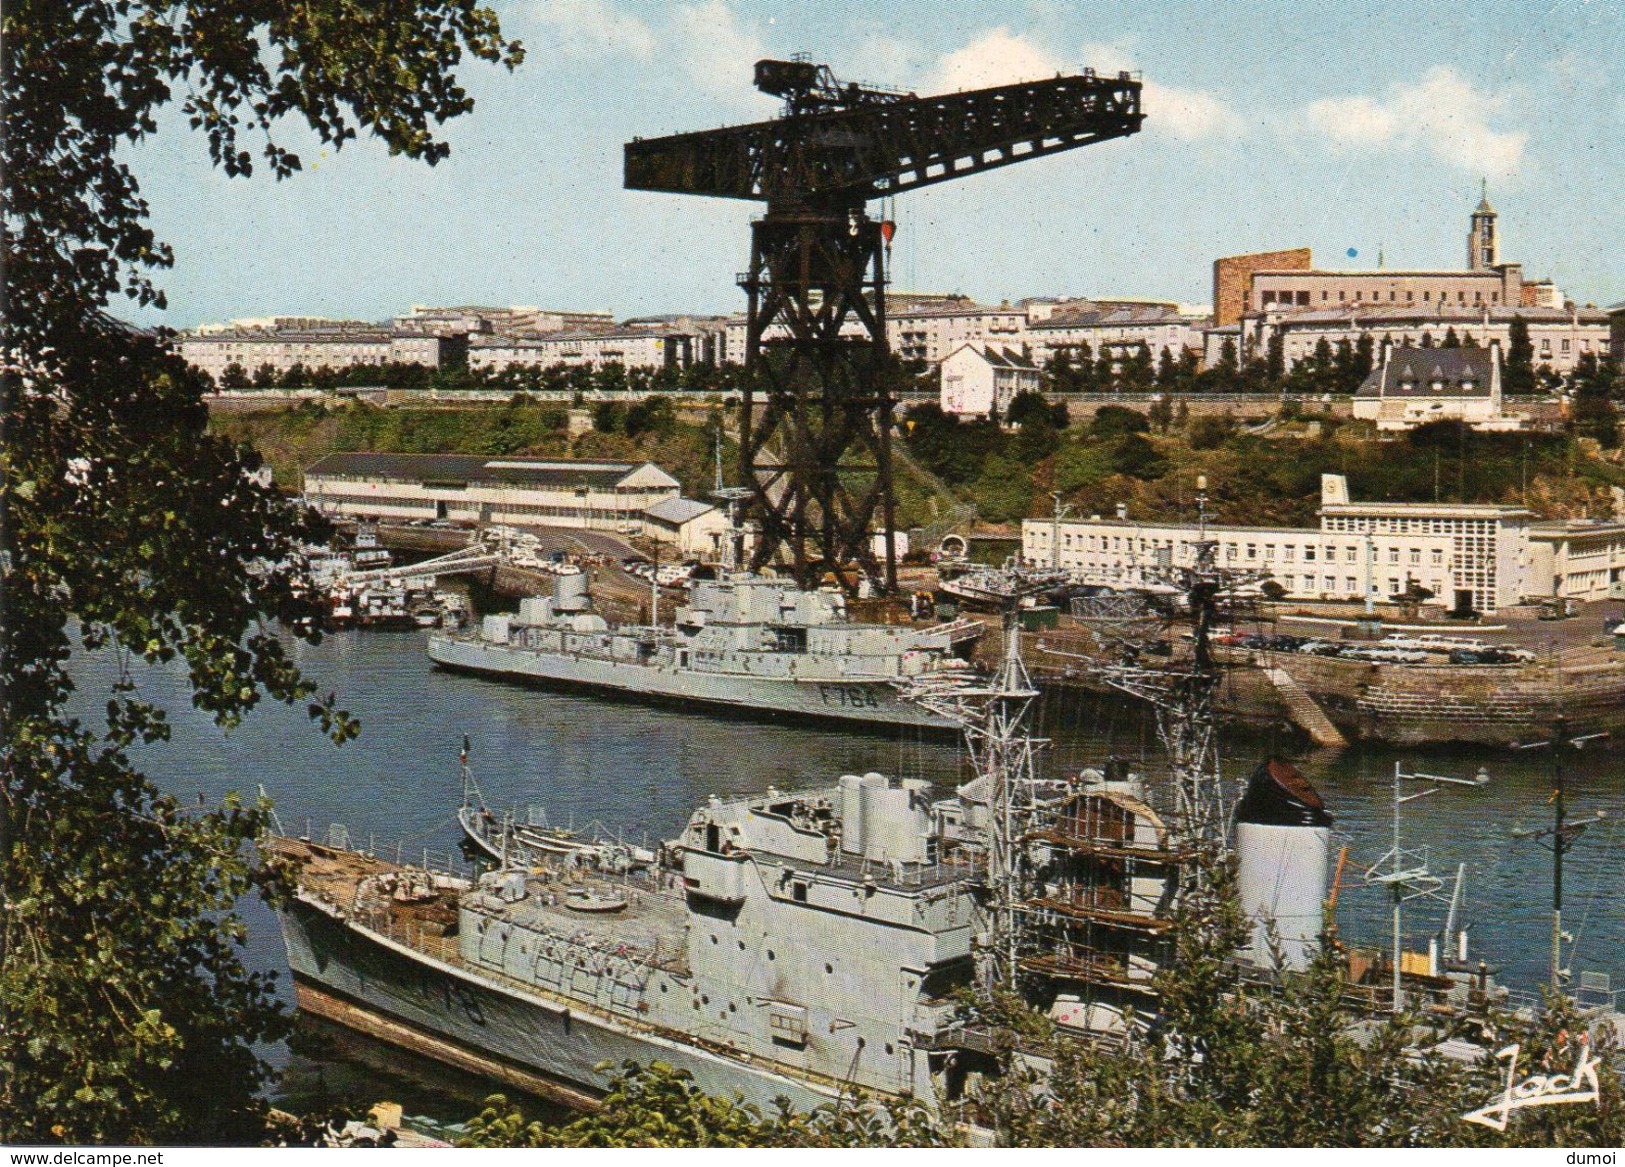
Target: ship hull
370, 983
875, 703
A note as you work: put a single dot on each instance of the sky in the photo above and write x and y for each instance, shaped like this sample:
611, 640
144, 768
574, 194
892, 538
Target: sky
1360, 130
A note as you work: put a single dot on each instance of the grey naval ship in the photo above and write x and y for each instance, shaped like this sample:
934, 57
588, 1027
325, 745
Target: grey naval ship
745, 643
805, 945
795, 945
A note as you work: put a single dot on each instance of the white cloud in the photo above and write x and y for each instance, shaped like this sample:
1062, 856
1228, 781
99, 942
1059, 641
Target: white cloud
592, 28
703, 41
713, 48
1191, 114
1000, 57
1443, 113
997, 57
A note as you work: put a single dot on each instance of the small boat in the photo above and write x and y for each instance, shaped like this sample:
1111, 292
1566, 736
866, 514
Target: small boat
534, 843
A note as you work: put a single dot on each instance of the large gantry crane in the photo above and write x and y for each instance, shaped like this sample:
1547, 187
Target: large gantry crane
817, 457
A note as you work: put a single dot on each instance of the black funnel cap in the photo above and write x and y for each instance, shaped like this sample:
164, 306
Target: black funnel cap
1278, 796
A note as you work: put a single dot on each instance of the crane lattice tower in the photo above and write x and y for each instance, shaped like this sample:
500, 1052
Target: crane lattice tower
817, 409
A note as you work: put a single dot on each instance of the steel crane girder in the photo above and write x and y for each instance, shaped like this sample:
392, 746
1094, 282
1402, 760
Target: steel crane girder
845, 157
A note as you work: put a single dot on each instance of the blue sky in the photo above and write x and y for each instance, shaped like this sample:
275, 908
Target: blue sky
1329, 125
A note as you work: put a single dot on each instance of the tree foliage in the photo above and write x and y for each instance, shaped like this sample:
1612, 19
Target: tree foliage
129, 529
1285, 1061
660, 1106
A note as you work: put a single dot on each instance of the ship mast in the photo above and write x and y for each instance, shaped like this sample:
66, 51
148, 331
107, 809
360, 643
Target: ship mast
994, 713
1560, 837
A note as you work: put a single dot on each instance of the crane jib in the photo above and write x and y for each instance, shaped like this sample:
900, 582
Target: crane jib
880, 148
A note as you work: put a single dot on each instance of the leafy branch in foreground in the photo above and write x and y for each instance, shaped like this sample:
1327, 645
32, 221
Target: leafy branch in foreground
660, 1106
126, 1015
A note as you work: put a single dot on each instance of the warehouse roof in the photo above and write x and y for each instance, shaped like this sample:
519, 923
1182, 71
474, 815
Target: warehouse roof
470, 468
677, 510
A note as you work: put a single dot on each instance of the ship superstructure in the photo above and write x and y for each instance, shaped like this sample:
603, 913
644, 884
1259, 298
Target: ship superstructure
746, 643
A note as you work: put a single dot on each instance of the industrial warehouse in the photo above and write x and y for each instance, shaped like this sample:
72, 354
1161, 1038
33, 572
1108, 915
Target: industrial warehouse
525, 492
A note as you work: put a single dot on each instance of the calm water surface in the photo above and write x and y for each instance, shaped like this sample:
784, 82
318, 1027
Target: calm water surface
642, 770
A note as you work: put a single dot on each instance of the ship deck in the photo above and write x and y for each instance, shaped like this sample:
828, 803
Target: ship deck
651, 927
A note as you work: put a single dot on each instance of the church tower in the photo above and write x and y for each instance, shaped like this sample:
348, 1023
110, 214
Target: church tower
1482, 251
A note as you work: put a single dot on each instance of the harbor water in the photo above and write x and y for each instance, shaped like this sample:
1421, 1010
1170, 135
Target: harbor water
639, 771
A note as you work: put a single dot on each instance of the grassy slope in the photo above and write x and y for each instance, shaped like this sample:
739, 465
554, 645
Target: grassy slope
1274, 479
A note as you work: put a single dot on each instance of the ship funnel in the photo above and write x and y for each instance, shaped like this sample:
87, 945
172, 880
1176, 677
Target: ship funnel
896, 819
1283, 842
570, 591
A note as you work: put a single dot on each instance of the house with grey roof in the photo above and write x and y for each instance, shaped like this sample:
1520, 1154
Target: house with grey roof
982, 379
1412, 386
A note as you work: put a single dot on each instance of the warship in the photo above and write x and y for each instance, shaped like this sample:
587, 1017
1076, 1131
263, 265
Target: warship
791, 945
745, 643
807, 945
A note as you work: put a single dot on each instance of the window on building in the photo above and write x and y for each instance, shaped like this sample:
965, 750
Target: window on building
1410, 296
1393, 555
1324, 295
1438, 557
1416, 556
1340, 293
1269, 551
1308, 554
1426, 297
1353, 584
1289, 553
1351, 555
1565, 345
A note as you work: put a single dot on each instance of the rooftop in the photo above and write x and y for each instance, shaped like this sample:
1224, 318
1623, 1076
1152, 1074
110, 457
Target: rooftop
1467, 314
950, 308
466, 468
1110, 313
1432, 372
678, 510
999, 357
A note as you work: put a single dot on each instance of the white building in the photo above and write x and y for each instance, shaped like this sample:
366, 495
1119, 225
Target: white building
981, 380
328, 346
1559, 336
1581, 559
1476, 556
631, 348
931, 328
465, 320
695, 529
512, 491
1115, 327
1413, 386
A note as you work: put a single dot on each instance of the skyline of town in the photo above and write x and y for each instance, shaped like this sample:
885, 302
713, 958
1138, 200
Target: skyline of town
1250, 148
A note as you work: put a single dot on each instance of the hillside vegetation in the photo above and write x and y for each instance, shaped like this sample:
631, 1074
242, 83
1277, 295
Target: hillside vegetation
1264, 474
677, 438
